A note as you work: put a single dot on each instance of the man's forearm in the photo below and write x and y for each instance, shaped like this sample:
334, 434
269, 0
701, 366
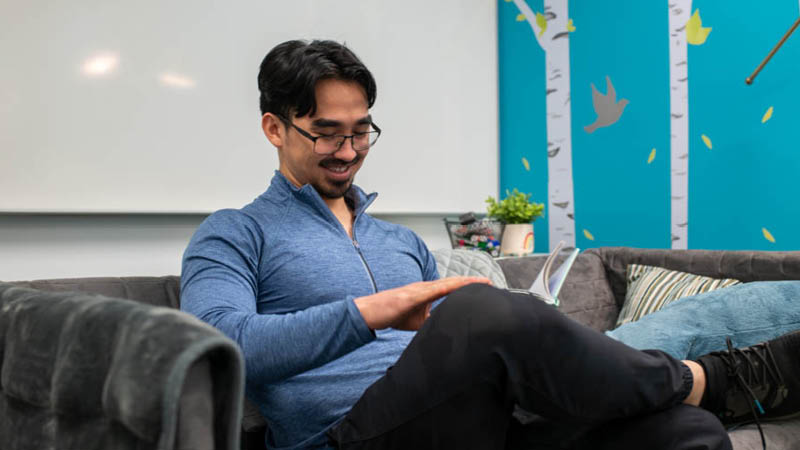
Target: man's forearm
278, 346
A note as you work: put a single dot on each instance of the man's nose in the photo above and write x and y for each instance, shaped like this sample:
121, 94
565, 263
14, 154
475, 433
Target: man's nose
346, 152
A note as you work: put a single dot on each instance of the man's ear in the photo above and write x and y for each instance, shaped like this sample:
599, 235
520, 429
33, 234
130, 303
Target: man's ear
273, 129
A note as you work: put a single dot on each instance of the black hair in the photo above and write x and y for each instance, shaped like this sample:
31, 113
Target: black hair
290, 72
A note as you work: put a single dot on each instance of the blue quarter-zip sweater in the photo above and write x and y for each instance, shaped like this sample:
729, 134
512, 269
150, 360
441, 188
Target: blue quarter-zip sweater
279, 277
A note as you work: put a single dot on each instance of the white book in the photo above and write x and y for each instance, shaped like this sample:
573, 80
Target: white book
547, 285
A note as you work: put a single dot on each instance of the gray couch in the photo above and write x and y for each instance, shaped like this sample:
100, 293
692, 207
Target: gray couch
593, 295
82, 371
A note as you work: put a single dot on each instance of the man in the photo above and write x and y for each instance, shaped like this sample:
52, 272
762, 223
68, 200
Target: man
317, 294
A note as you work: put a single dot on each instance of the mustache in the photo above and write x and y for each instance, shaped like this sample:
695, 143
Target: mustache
339, 162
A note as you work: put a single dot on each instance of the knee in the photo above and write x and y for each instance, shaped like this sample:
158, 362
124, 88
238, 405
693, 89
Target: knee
475, 301
470, 297
490, 311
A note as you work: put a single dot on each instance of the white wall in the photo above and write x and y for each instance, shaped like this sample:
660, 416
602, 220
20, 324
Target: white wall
68, 246
152, 106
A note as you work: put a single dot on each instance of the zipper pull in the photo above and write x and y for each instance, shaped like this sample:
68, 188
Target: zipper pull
355, 243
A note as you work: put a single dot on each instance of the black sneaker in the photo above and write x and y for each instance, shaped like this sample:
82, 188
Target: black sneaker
754, 384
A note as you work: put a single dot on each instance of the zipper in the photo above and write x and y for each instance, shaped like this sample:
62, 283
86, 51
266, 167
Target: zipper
364, 262
318, 200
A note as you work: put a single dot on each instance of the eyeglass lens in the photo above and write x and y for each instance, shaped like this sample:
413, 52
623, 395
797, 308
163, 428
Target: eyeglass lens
360, 142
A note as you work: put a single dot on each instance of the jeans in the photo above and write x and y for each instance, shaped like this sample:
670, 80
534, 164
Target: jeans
749, 313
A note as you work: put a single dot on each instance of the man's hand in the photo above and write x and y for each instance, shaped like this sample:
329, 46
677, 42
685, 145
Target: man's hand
407, 307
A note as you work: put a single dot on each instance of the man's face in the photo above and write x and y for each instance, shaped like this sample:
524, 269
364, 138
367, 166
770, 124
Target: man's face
341, 110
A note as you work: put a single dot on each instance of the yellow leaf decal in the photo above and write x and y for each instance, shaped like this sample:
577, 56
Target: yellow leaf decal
588, 235
767, 115
526, 163
570, 26
542, 22
695, 33
520, 17
652, 156
706, 140
768, 235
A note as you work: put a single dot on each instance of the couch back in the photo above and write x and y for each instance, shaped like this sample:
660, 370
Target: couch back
156, 291
743, 265
593, 293
585, 297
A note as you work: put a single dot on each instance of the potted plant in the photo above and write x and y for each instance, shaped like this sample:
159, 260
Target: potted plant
518, 213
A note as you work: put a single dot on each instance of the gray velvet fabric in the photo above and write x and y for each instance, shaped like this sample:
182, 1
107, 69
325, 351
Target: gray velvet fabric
92, 372
585, 296
157, 291
593, 294
196, 409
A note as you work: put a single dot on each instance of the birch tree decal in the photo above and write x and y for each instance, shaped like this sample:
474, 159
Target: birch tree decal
679, 11
551, 30
683, 29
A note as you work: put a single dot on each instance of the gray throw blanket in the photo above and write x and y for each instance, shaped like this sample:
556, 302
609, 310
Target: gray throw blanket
80, 371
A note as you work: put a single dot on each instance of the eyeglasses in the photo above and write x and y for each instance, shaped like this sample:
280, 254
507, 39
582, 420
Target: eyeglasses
329, 144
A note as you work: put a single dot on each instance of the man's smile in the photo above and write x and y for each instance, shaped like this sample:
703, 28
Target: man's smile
339, 170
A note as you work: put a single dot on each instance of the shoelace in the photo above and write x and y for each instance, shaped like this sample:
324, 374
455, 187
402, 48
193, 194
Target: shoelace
769, 367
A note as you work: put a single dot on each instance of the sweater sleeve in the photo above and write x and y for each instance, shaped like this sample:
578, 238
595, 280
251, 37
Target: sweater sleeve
219, 284
429, 269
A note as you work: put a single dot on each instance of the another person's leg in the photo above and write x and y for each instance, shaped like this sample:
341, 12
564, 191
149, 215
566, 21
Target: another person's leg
482, 351
748, 313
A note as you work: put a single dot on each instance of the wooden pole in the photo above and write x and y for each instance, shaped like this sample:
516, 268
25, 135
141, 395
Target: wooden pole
749, 80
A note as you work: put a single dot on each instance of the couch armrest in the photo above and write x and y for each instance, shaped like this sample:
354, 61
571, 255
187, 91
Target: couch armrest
196, 409
82, 370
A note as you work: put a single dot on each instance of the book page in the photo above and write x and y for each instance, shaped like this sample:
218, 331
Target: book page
540, 285
557, 278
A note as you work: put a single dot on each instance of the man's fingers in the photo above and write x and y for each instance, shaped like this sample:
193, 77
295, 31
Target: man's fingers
444, 286
462, 281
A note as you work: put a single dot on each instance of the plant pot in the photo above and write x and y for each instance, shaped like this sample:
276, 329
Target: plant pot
517, 239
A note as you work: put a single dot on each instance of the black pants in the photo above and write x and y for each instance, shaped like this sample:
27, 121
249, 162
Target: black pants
485, 350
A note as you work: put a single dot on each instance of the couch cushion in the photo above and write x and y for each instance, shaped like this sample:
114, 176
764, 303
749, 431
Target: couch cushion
585, 296
455, 262
157, 291
651, 288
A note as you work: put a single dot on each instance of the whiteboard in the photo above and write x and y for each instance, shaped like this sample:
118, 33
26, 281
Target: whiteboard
152, 106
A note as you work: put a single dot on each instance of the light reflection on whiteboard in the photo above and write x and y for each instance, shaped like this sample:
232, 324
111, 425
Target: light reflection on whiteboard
100, 65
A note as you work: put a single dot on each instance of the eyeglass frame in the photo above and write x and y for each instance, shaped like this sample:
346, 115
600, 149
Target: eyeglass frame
313, 139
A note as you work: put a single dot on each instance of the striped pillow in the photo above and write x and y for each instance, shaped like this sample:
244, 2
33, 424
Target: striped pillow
652, 288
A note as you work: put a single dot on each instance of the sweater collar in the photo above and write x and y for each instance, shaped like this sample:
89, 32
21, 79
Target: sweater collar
355, 196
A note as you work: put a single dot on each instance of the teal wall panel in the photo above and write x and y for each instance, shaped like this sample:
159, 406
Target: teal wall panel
522, 112
748, 180
745, 184
620, 199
